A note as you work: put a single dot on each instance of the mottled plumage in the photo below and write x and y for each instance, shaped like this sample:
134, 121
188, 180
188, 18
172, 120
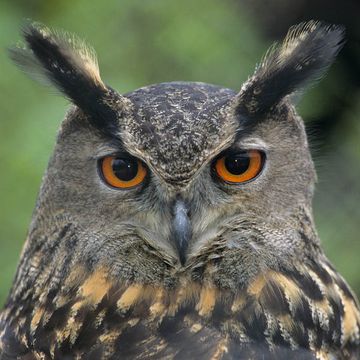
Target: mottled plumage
184, 265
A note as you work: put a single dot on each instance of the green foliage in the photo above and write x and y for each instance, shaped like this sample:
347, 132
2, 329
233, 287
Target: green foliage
141, 42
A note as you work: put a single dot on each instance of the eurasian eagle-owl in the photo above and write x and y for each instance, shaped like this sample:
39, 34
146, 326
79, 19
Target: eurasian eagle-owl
175, 222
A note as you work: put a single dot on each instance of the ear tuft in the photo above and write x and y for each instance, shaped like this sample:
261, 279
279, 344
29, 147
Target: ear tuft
303, 57
68, 63
64, 59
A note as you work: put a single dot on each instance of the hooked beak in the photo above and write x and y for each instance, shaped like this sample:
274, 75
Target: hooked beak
181, 228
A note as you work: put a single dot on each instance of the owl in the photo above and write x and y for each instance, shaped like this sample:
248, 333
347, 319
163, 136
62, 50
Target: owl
175, 221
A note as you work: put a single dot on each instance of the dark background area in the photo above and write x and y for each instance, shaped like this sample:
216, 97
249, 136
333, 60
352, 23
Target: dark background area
140, 42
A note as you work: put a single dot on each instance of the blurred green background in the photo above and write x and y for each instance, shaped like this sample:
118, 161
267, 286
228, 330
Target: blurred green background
146, 41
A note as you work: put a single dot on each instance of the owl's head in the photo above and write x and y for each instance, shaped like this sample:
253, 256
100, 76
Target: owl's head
168, 177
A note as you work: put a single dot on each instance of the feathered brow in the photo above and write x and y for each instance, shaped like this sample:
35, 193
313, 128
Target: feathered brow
303, 57
72, 67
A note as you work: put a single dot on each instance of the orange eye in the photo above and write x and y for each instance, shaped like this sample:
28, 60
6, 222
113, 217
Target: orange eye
239, 167
122, 172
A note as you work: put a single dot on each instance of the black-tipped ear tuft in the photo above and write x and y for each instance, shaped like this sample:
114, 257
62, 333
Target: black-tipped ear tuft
66, 62
303, 57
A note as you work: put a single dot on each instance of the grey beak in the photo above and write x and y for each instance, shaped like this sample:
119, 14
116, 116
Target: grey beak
181, 228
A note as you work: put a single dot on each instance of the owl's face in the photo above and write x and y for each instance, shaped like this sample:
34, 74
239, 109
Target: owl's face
158, 181
163, 181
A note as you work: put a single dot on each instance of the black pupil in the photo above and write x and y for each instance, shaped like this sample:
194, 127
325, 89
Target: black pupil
125, 169
238, 163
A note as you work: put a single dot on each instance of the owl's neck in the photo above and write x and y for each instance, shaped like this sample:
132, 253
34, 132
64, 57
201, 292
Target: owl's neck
49, 258
94, 305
